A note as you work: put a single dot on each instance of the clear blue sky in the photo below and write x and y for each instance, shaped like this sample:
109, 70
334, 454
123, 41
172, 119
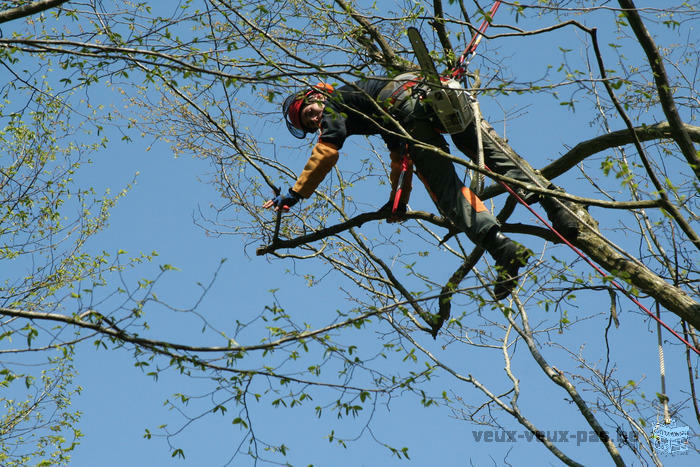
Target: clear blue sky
119, 401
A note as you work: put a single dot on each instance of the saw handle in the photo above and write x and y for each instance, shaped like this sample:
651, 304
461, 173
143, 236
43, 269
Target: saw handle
399, 185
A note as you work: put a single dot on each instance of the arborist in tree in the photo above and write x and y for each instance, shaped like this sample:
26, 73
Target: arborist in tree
361, 109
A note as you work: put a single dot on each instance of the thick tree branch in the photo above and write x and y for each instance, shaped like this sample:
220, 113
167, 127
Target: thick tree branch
439, 25
390, 60
28, 9
666, 203
670, 297
361, 219
356, 221
591, 242
663, 87
600, 143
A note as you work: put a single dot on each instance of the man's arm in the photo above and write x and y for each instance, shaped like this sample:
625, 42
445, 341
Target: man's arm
323, 157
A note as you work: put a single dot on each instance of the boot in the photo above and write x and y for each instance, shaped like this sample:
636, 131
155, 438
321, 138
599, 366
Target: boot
562, 220
510, 256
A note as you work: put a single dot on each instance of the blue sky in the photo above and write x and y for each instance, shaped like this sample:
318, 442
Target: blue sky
119, 401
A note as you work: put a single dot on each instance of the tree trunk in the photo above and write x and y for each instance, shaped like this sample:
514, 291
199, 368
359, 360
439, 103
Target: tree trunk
670, 297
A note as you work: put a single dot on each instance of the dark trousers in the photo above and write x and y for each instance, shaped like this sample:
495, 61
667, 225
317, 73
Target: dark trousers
494, 157
453, 199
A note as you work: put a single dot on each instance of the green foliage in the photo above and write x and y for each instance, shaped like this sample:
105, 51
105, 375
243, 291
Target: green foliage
42, 428
46, 221
194, 77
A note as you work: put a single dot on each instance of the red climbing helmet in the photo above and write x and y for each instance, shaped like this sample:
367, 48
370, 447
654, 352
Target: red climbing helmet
293, 105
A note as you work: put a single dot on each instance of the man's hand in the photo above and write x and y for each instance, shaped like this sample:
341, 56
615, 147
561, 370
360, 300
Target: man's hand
392, 217
282, 201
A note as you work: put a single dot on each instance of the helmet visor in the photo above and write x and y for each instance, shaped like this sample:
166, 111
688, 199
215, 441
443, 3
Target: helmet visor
291, 108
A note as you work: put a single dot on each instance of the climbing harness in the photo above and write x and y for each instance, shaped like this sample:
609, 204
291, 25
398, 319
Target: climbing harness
450, 101
395, 93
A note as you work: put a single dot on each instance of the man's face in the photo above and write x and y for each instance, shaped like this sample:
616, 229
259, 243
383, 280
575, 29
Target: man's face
312, 112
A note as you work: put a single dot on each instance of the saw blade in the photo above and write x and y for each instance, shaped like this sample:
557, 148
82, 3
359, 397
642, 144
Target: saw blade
425, 61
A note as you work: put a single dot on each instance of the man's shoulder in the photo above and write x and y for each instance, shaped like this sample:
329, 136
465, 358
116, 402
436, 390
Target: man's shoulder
368, 86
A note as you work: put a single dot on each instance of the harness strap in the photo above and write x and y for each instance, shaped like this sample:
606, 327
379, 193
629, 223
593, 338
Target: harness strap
395, 92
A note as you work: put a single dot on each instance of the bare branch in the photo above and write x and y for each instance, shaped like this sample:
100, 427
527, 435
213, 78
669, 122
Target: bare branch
666, 204
663, 87
561, 380
28, 9
600, 143
390, 59
439, 25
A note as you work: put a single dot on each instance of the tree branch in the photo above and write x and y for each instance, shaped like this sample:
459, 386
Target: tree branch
513, 410
28, 9
590, 147
600, 143
438, 24
666, 204
391, 60
591, 242
561, 380
663, 87
115, 332
356, 221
